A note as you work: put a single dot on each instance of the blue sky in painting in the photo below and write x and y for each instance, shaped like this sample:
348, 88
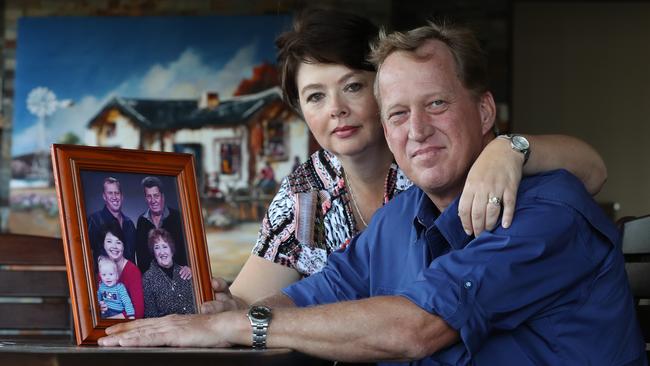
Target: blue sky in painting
91, 59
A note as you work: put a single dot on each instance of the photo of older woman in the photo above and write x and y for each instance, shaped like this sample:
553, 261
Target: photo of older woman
128, 272
165, 292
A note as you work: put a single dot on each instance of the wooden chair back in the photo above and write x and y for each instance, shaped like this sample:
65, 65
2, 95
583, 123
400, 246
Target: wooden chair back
34, 296
636, 250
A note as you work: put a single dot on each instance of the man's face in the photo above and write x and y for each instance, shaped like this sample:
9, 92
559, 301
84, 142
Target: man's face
434, 125
155, 200
112, 197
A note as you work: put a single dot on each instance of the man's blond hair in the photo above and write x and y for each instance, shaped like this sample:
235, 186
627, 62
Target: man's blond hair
470, 59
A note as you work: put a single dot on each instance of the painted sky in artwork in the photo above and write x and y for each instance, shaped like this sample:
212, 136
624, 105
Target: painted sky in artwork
89, 60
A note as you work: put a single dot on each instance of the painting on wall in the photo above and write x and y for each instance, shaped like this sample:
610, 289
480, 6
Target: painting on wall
201, 85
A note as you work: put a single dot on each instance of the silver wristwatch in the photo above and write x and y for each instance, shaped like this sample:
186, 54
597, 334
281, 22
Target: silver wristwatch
518, 143
260, 318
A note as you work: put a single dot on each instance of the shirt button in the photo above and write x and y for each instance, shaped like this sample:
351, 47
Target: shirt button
468, 284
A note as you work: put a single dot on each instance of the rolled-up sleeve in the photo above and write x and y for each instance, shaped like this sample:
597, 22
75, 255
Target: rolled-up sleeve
345, 277
503, 278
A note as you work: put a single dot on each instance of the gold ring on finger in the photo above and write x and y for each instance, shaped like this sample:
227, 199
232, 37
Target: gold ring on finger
495, 201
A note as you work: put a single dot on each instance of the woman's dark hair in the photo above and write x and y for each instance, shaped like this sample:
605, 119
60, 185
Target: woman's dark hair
160, 234
113, 228
323, 36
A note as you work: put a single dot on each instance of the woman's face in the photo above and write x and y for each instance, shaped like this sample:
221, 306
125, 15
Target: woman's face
163, 253
339, 107
113, 246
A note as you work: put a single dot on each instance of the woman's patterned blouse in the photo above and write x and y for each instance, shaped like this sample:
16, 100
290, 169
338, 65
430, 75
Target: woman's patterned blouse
311, 215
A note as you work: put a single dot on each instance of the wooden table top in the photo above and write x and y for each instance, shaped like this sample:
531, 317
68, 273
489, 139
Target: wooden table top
61, 354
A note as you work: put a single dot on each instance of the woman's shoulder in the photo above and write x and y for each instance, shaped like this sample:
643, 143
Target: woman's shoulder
396, 182
322, 170
149, 272
131, 269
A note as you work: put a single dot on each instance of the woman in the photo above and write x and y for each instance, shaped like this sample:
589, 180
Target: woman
128, 273
165, 292
332, 197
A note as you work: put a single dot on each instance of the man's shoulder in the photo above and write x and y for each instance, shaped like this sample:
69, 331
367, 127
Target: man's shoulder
556, 183
557, 186
560, 190
174, 213
97, 215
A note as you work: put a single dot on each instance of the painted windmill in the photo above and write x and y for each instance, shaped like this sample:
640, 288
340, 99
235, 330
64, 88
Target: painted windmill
42, 103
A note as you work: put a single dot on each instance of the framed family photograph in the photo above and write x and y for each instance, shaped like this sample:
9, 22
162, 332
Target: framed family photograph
133, 235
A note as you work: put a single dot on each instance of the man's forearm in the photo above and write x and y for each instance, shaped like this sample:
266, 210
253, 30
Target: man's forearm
279, 300
379, 328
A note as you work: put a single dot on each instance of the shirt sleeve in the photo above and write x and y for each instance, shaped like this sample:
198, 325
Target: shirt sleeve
344, 278
126, 300
276, 240
504, 278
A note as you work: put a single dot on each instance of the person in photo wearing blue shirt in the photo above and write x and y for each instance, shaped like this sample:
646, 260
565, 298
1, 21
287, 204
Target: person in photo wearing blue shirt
414, 287
111, 292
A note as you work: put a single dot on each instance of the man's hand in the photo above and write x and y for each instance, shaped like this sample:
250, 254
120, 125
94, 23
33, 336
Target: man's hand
185, 272
223, 299
172, 330
495, 173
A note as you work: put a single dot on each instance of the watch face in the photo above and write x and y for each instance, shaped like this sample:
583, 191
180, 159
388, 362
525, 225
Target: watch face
520, 143
260, 312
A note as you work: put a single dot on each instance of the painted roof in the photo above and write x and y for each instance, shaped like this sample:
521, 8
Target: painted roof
170, 114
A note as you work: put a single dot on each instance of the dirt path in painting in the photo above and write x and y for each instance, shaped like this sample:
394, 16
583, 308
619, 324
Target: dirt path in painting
229, 249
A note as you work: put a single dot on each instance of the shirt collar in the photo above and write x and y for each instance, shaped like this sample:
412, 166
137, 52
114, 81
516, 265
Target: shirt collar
447, 222
147, 215
108, 213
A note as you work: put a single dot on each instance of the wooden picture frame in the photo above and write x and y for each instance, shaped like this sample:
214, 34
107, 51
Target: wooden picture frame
82, 178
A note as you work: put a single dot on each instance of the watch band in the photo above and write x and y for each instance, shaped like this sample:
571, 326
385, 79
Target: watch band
518, 143
260, 318
259, 335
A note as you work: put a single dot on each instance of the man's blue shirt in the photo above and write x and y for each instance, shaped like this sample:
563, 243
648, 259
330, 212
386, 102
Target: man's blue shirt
549, 290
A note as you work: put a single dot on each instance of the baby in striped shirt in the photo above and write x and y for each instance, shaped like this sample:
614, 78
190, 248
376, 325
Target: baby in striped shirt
112, 292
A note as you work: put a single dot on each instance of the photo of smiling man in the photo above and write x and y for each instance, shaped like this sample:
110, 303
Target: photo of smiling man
112, 214
159, 215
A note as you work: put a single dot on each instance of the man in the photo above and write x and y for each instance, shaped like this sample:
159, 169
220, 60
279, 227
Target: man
157, 216
551, 289
112, 212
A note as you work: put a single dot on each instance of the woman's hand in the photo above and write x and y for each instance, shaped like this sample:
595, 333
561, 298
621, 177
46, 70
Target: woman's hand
495, 173
223, 299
